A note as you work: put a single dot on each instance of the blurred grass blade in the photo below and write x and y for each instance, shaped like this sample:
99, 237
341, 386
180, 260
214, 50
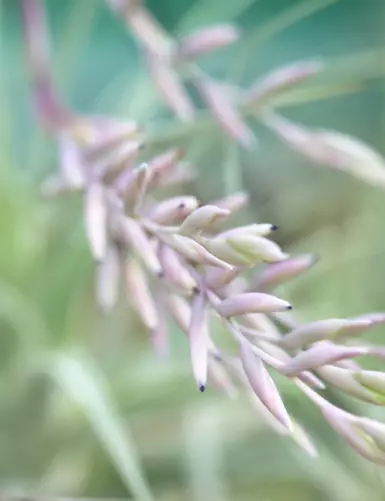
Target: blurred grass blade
83, 383
283, 20
211, 12
73, 36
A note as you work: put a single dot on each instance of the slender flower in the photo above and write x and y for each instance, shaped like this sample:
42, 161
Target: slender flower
224, 111
251, 303
263, 385
198, 338
206, 40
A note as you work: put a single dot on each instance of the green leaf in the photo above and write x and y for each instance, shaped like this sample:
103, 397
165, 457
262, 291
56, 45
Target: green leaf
81, 380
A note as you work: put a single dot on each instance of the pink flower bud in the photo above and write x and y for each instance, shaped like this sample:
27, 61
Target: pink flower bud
180, 311
374, 381
198, 338
222, 249
95, 214
224, 111
252, 302
206, 40
332, 149
282, 271
71, 165
280, 80
233, 202
220, 379
346, 381
193, 251
257, 248
346, 426
132, 233
139, 295
173, 210
161, 167
263, 385
217, 278
373, 429
171, 88
202, 218
148, 31
107, 285
322, 353
174, 272
257, 230
322, 329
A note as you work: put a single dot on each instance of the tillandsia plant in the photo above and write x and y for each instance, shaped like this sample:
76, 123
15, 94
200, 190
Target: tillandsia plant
181, 259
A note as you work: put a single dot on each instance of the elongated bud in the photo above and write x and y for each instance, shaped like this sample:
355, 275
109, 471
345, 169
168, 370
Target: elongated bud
180, 311
374, 318
215, 278
252, 302
256, 230
147, 29
223, 110
263, 385
302, 438
174, 272
110, 166
374, 381
182, 173
206, 40
132, 233
173, 210
283, 271
345, 425
257, 248
202, 218
332, 149
281, 80
233, 202
161, 167
193, 251
198, 338
322, 353
107, 284
322, 329
71, 165
345, 380
160, 335
220, 379
373, 429
221, 248
139, 295
171, 88
95, 214
279, 354
142, 179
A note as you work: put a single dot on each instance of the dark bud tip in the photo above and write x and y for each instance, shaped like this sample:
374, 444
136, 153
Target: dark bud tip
141, 146
274, 227
289, 307
201, 388
182, 205
160, 274
196, 290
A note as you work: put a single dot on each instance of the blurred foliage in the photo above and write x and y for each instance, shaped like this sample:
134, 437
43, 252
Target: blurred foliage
86, 409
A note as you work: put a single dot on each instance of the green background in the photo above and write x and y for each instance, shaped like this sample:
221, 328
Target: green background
86, 410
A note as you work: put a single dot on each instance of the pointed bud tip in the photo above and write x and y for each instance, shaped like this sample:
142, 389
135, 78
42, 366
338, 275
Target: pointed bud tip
202, 388
274, 227
289, 307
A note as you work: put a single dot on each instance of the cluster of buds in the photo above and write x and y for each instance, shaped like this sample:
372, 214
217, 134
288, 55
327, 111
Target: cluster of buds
180, 259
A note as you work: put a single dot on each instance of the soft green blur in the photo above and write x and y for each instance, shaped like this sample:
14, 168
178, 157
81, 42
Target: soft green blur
86, 410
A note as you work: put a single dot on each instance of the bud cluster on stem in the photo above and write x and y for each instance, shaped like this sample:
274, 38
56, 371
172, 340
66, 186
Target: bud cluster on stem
190, 252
